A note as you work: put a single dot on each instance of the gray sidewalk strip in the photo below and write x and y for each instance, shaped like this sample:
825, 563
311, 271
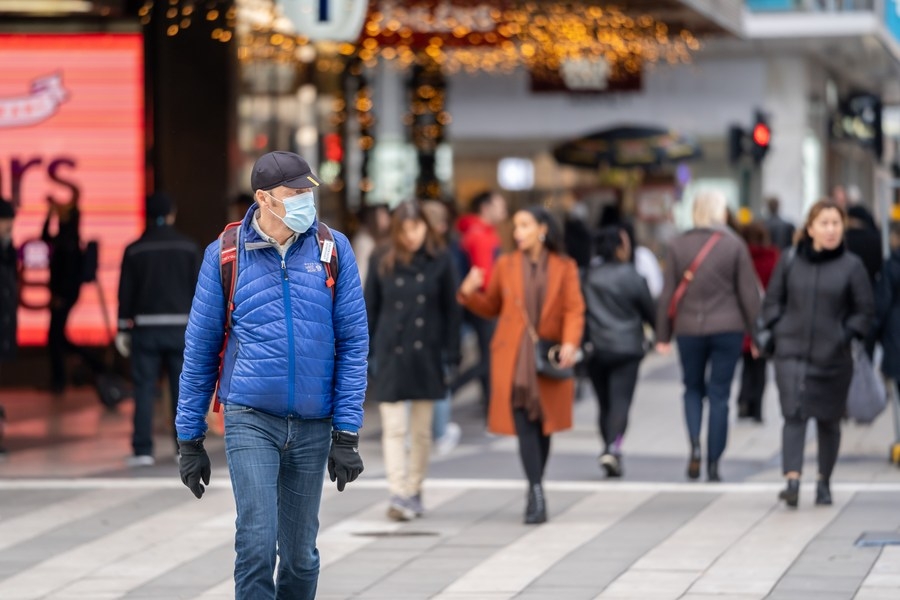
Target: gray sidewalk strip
86, 525
593, 566
120, 553
758, 560
831, 562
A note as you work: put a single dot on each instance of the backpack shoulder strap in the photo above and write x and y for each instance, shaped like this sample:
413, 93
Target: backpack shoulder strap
329, 256
228, 267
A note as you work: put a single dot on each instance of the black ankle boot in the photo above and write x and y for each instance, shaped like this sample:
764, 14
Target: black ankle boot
823, 493
712, 472
693, 470
536, 511
791, 494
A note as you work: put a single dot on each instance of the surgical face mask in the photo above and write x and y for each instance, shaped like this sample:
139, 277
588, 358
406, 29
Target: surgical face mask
300, 211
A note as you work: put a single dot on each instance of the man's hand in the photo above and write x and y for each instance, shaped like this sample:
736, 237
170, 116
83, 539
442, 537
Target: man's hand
663, 348
123, 344
194, 465
344, 461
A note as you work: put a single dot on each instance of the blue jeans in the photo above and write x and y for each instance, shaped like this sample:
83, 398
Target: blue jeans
719, 352
277, 467
441, 417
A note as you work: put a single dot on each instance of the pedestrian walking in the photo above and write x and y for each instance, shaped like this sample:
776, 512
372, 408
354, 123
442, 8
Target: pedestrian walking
536, 293
618, 305
481, 244
293, 377
445, 432
753, 372
66, 279
156, 286
375, 223
414, 331
710, 298
9, 295
887, 328
781, 232
818, 301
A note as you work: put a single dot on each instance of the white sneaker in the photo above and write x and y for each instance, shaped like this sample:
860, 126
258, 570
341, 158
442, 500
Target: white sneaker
445, 444
399, 509
140, 460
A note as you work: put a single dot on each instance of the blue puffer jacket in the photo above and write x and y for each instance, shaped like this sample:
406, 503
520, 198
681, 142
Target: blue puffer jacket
293, 351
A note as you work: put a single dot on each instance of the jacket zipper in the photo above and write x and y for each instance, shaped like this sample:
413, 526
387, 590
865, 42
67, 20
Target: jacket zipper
290, 327
809, 348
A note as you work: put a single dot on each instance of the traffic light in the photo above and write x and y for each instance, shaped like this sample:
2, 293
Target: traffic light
753, 143
760, 138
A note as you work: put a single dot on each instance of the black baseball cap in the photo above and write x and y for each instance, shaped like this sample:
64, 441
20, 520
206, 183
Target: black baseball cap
282, 168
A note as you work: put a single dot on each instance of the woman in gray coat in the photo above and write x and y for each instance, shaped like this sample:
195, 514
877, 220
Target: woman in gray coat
819, 299
719, 301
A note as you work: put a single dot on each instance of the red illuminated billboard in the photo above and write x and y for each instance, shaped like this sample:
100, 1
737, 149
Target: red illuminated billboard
72, 129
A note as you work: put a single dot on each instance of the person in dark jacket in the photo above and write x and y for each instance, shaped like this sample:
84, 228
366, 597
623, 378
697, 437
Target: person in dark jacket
720, 302
887, 312
753, 374
781, 232
9, 293
66, 278
818, 301
480, 242
156, 286
414, 333
863, 239
293, 378
618, 305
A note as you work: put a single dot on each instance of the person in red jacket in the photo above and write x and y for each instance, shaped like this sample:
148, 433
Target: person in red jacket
753, 378
480, 245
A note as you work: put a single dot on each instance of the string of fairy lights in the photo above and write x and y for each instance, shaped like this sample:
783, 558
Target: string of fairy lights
538, 35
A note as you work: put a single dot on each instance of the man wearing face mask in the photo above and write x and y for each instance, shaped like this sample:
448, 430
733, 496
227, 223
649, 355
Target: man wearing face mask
293, 379
9, 296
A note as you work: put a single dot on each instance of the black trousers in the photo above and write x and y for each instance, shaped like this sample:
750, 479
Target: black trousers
793, 440
484, 331
534, 446
753, 386
151, 349
59, 345
614, 379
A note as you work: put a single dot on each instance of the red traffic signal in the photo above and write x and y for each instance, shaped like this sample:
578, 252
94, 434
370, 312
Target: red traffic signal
762, 135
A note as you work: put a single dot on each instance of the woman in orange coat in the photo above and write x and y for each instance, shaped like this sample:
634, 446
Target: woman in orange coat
541, 285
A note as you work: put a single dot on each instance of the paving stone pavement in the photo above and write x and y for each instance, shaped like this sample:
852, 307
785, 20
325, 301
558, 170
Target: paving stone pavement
76, 523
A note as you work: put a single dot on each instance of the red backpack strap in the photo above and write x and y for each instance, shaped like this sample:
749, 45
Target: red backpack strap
329, 256
228, 269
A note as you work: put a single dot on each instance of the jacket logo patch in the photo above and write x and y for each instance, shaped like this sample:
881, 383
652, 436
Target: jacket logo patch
313, 267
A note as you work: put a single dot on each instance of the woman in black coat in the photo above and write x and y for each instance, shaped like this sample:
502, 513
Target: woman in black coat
414, 322
618, 306
819, 299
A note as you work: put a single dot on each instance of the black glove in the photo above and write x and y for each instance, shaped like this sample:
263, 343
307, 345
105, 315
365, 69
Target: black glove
194, 465
344, 462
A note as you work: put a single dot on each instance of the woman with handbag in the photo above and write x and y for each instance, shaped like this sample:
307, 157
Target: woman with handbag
536, 294
618, 304
414, 325
710, 298
818, 301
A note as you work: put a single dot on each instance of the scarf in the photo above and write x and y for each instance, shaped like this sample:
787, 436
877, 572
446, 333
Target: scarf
525, 394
